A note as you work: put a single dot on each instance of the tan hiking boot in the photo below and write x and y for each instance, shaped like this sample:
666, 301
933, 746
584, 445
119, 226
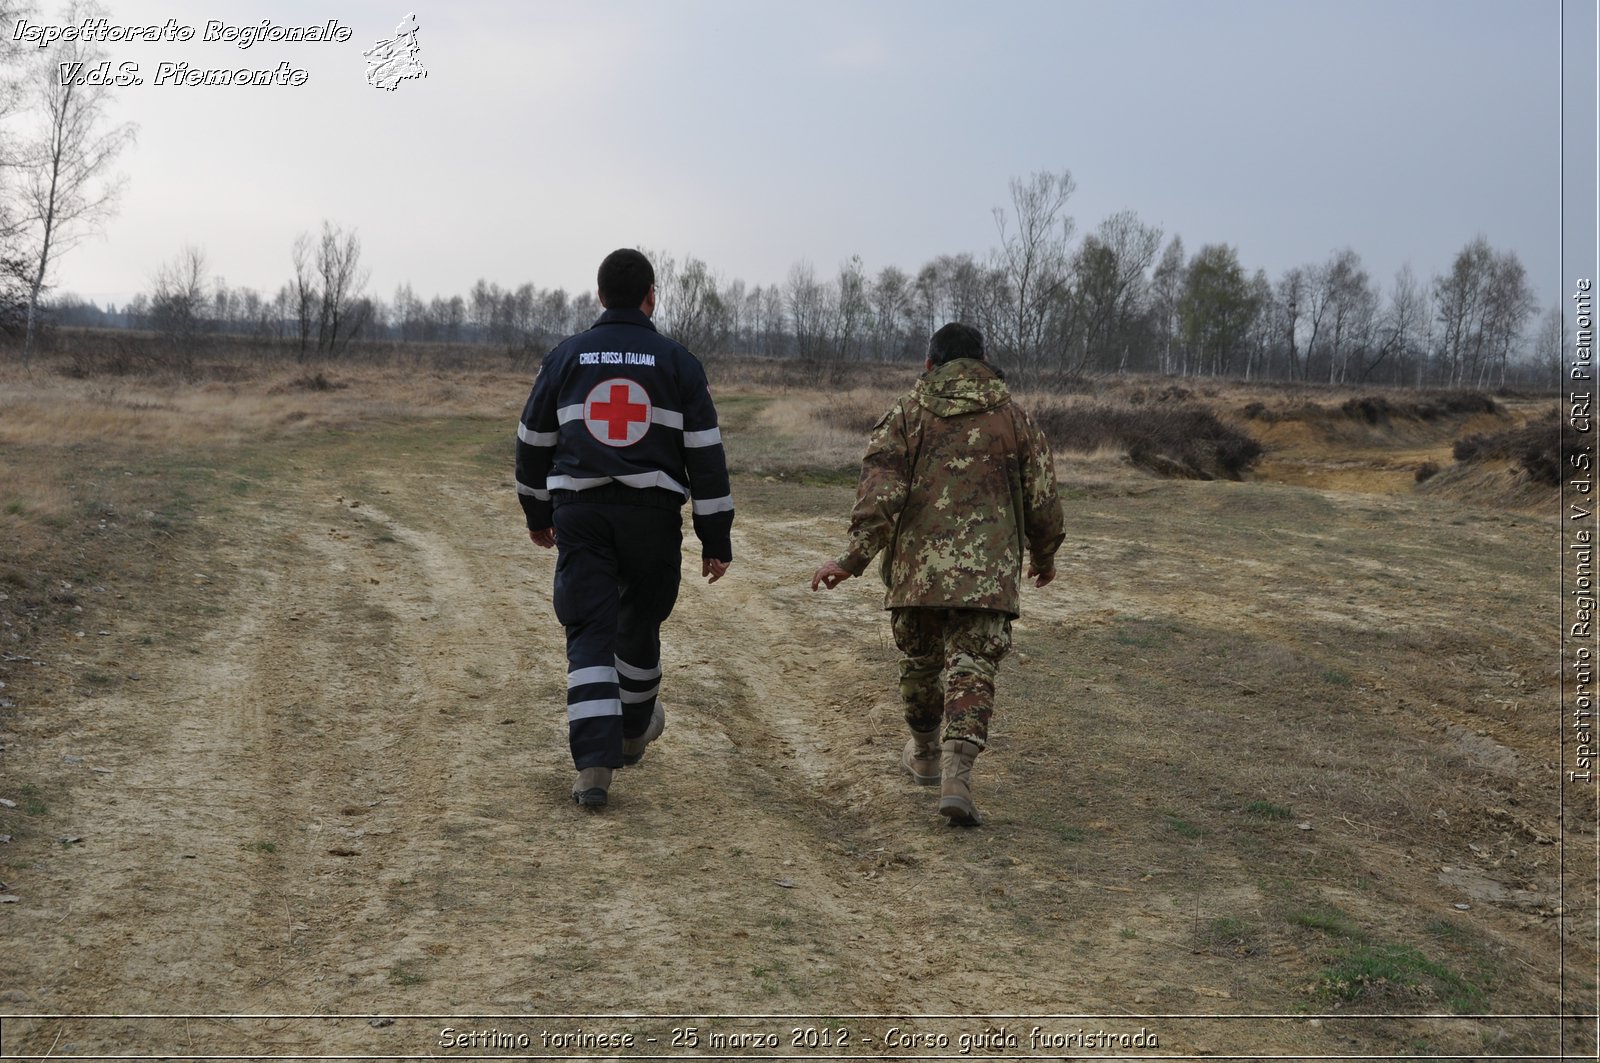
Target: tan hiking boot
921, 757
955, 798
590, 786
633, 748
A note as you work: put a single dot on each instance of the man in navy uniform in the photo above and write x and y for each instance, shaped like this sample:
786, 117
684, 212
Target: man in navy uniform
617, 434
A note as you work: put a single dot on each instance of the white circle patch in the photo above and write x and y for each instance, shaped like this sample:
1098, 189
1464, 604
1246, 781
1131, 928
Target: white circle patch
617, 412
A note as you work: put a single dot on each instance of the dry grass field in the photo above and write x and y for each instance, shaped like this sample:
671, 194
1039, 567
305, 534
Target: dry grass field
1275, 769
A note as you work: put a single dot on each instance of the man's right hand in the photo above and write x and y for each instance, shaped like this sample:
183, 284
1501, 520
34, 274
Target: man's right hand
829, 576
1041, 578
545, 537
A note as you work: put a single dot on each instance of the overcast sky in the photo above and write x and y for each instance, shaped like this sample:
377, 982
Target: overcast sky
755, 134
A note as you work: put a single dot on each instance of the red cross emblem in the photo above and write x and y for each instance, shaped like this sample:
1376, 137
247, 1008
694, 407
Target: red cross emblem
617, 412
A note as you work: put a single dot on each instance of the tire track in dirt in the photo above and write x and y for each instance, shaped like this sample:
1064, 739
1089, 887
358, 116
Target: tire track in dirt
288, 767
354, 795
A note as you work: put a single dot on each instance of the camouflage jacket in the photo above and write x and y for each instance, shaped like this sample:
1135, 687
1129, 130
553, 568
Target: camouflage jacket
956, 478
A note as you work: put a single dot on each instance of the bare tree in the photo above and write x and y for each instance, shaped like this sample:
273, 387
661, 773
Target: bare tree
1399, 329
67, 184
12, 52
1108, 275
581, 312
733, 300
252, 310
13, 56
13, 265
1166, 291
954, 288
1482, 307
1459, 299
178, 302
772, 315
1350, 302
1288, 303
699, 317
302, 292
1510, 305
1316, 299
666, 269
851, 308
485, 303
1217, 308
340, 316
1550, 346
12, 85
1263, 331
891, 305
1032, 261
806, 304
755, 315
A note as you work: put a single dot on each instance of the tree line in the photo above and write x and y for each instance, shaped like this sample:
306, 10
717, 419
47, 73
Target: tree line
1125, 297
1121, 299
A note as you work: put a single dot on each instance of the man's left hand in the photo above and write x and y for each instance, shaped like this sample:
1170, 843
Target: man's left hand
1040, 579
545, 537
712, 569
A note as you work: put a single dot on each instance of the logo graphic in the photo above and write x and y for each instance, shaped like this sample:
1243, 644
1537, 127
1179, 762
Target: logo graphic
392, 61
617, 412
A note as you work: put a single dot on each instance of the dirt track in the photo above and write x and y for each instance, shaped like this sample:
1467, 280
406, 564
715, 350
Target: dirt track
354, 789
339, 782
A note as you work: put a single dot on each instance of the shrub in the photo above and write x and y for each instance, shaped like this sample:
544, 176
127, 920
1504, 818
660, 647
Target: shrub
1470, 448
1375, 409
1192, 440
1257, 411
1170, 393
1537, 449
1468, 402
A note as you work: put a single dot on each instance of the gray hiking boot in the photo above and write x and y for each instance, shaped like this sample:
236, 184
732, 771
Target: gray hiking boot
955, 798
921, 757
590, 786
633, 748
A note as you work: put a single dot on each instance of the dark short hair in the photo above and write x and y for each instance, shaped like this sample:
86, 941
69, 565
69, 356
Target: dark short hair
625, 279
953, 341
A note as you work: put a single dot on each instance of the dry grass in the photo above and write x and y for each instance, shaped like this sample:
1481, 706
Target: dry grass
769, 375
97, 472
52, 409
797, 434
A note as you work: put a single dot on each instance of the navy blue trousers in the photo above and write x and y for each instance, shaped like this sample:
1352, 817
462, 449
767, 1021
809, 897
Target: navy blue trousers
616, 583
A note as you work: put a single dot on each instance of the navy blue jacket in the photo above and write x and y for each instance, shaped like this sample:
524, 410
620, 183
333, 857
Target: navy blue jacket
621, 413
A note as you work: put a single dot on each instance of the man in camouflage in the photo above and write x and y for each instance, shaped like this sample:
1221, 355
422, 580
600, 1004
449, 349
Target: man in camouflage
955, 480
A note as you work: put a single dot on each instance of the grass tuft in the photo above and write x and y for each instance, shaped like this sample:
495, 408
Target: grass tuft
1387, 971
1268, 810
1329, 921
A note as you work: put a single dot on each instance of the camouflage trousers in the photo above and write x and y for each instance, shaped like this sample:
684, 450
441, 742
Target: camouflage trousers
966, 645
